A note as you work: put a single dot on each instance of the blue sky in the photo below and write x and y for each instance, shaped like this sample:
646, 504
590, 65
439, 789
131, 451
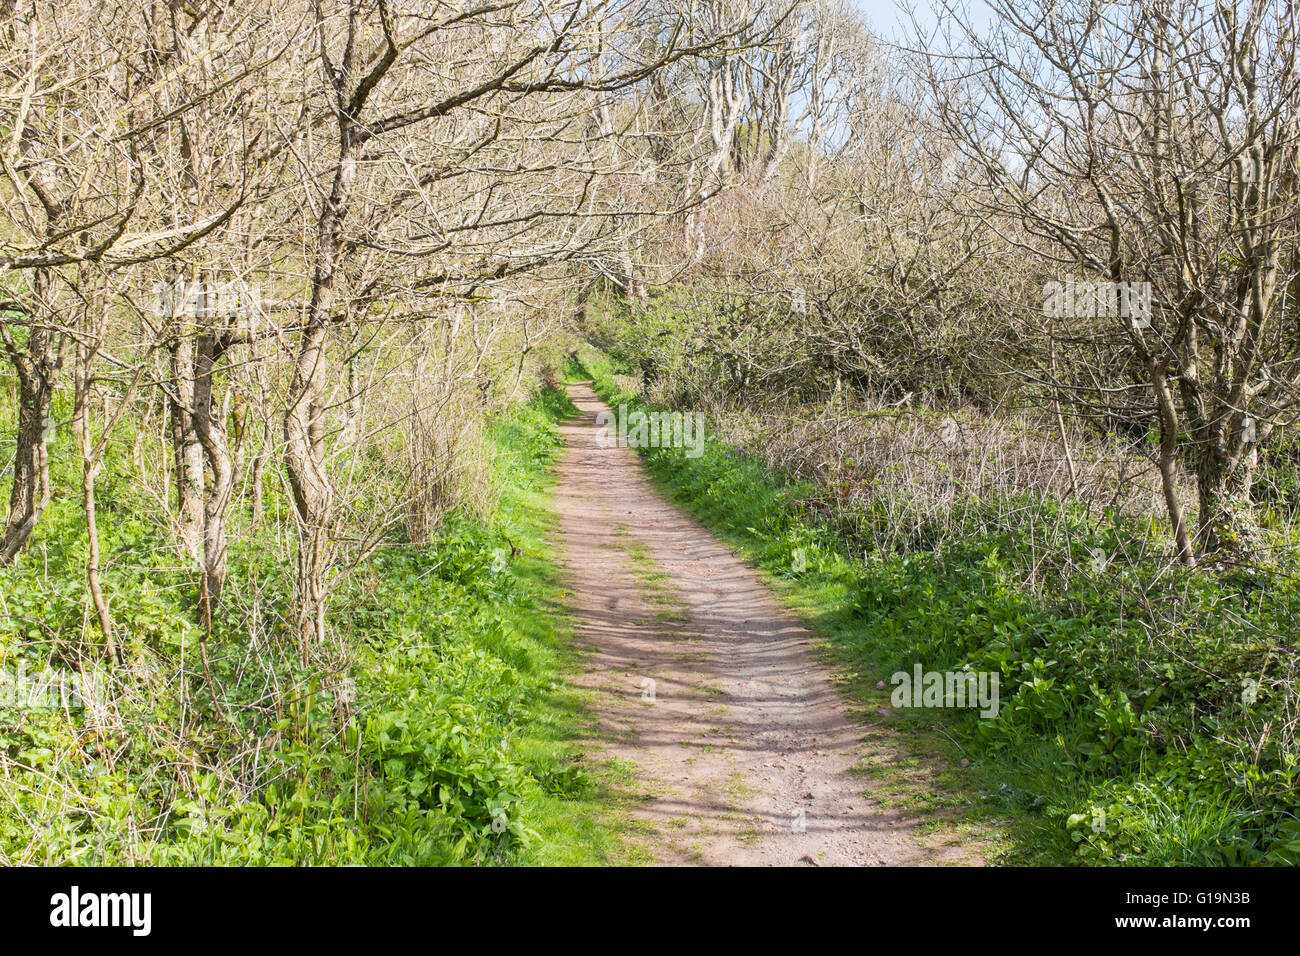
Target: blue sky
882, 14
887, 17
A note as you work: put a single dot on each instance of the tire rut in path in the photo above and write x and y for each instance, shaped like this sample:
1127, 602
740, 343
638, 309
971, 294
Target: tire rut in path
746, 747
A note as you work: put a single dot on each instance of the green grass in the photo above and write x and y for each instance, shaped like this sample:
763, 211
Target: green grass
457, 740
1105, 717
591, 824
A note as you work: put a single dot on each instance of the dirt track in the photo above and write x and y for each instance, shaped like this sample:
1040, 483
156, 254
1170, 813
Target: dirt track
703, 681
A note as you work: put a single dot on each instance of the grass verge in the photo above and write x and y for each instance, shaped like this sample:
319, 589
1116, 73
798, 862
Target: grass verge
1145, 712
443, 733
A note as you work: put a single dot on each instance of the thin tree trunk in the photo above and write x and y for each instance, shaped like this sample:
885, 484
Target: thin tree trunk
89, 470
188, 451
1168, 462
258, 473
304, 417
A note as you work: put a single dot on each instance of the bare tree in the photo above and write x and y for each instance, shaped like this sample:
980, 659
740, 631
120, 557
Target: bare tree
1156, 143
76, 186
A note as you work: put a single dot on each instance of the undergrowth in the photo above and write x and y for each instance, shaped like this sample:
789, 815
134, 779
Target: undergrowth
442, 733
1148, 713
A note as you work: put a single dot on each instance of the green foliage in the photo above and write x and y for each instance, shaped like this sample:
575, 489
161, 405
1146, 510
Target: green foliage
1149, 700
444, 735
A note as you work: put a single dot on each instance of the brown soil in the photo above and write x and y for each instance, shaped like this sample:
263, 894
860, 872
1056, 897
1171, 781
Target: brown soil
703, 681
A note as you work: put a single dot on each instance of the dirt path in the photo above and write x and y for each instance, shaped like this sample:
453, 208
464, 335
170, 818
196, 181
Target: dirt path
706, 684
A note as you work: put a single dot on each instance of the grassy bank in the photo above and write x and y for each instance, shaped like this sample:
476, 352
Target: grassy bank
1147, 713
442, 732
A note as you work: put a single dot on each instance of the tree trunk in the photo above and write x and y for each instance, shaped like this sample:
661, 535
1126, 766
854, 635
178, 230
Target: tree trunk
211, 434
1168, 462
1225, 471
189, 452
304, 417
257, 476
36, 370
89, 470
